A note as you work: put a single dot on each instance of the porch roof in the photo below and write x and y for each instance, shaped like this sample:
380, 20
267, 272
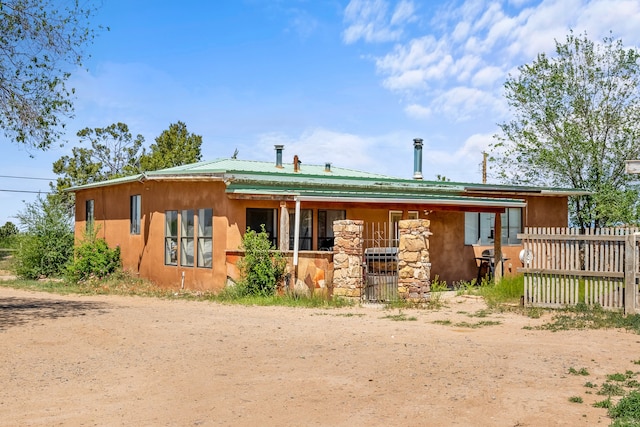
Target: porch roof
381, 197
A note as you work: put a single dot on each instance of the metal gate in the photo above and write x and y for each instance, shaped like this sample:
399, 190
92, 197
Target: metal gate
380, 262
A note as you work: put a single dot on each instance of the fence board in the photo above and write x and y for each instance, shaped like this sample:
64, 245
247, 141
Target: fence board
570, 266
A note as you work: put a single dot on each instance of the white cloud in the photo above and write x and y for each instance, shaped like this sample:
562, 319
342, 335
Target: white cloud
317, 146
462, 103
487, 76
404, 12
371, 21
457, 66
465, 66
463, 164
412, 66
418, 111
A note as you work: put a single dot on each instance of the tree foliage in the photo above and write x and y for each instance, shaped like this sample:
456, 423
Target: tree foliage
46, 244
114, 152
8, 235
9, 229
174, 147
576, 118
40, 41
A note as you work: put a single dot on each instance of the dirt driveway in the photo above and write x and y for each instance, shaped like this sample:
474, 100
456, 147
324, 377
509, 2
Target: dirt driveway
136, 361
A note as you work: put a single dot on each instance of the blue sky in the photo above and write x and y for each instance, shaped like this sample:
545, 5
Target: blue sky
346, 82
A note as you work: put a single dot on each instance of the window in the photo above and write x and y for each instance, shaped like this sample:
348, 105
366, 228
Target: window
479, 227
186, 238
134, 214
325, 227
205, 237
306, 229
267, 217
89, 215
171, 238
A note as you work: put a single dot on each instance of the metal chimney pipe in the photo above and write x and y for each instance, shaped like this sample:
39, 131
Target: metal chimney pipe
327, 167
417, 158
279, 149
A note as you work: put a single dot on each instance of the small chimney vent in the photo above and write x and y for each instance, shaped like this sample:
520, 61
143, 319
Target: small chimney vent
279, 149
296, 163
417, 158
327, 167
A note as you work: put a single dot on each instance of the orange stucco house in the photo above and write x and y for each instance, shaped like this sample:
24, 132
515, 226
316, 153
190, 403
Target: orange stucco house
182, 226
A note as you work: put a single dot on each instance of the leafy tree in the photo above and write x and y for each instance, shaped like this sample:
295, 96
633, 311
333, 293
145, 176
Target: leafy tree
46, 246
8, 229
8, 235
174, 147
40, 41
576, 119
114, 152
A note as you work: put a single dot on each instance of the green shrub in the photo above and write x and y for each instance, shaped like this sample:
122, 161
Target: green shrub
46, 246
628, 408
93, 259
262, 267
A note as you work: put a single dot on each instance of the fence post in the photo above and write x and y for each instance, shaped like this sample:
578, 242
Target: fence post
630, 274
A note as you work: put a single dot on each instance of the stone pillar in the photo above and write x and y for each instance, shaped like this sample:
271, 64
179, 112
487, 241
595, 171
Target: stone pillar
414, 266
347, 258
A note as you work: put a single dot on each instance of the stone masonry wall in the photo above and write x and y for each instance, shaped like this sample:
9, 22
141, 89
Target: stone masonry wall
414, 266
347, 258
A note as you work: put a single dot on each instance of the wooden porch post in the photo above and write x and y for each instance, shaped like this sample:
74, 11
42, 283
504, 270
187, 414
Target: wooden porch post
497, 248
284, 227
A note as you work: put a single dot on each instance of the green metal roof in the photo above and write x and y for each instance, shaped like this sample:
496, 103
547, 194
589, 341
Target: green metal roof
229, 166
244, 177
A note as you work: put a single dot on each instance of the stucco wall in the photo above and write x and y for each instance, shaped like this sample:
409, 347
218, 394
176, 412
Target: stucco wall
144, 254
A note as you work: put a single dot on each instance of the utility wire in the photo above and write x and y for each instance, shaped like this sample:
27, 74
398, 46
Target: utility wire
24, 177
26, 191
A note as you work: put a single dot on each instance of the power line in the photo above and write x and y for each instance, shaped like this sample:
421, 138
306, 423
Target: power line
25, 177
25, 191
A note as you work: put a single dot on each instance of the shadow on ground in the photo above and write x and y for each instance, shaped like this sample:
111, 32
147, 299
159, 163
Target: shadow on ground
21, 311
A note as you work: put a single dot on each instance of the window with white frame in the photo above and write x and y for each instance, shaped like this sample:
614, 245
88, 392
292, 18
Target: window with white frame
205, 238
479, 227
89, 214
171, 238
186, 238
189, 237
134, 214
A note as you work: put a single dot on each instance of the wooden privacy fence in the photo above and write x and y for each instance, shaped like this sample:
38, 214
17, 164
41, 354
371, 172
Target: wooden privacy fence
564, 266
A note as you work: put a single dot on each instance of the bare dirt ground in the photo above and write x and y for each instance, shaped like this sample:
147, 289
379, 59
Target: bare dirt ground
109, 361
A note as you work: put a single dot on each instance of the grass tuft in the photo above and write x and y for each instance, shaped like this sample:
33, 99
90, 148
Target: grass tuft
581, 371
582, 316
400, 317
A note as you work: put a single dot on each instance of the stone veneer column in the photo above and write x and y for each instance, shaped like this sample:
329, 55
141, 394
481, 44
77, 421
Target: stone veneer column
414, 267
347, 258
